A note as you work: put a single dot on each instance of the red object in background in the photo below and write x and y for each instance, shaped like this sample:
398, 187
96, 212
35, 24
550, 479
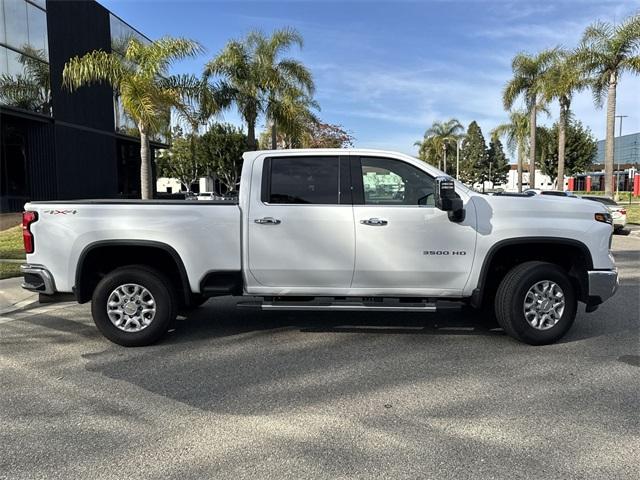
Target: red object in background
571, 183
636, 185
27, 219
588, 187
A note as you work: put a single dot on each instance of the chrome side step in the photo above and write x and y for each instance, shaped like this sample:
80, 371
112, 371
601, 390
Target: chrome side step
341, 306
355, 307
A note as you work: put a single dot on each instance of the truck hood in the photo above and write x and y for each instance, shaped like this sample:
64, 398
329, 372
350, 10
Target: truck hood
538, 206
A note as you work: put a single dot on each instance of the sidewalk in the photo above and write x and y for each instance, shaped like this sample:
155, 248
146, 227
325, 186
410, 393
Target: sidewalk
13, 297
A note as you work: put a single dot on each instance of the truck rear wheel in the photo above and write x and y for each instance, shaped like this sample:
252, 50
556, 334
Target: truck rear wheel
134, 306
536, 303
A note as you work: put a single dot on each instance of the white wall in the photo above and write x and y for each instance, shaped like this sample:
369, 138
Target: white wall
543, 182
163, 183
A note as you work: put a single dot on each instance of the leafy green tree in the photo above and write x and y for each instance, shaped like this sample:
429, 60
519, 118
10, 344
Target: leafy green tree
562, 80
516, 132
143, 83
498, 165
605, 53
223, 146
185, 160
580, 153
528, 82
438, 141
473, 156
261, 80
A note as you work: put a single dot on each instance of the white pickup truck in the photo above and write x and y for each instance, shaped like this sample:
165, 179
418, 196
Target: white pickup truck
326, 230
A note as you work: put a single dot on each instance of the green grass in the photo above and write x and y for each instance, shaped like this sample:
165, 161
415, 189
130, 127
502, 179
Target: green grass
11, 245
624, 197
8, 270
633, 213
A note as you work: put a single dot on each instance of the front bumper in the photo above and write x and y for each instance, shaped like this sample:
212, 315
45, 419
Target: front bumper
602, 285
37, 279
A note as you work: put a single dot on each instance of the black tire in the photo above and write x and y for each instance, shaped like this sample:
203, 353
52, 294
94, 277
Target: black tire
158, 286
510, 297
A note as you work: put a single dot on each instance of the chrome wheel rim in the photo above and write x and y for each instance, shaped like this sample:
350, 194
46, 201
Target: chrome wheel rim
131, 307
544, 305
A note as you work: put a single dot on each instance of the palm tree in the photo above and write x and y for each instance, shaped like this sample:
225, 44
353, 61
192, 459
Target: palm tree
528, 74
605, 53
439, 138
141, 79
516, 133
294, 115
563, 78
201, 101
253, 69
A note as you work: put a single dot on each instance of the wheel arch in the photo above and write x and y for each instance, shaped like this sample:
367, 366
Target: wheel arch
152, 253
577, 261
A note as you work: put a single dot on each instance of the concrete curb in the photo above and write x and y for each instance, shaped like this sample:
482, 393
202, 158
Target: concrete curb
20, 306
13, 297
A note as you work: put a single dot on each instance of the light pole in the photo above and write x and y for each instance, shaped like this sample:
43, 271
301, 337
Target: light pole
444, 151
458, 141
618, 171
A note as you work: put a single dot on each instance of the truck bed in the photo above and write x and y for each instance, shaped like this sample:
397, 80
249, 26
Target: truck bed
205, 234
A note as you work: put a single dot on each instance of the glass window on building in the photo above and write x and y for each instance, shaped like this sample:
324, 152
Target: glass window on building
15, 23
37, 34
24, 28
24, 82
24, 56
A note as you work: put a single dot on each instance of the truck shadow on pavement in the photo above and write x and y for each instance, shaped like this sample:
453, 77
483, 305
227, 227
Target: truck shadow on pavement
220, 318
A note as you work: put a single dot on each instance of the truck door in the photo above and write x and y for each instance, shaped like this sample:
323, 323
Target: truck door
402, 240
300, 223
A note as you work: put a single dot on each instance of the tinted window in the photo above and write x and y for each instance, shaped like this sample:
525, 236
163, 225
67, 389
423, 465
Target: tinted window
393, 182
605, 200
304, 180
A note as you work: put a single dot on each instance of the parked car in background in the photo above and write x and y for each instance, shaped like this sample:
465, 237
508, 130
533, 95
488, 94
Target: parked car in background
209, 196
555, 193
618, 212
190, 196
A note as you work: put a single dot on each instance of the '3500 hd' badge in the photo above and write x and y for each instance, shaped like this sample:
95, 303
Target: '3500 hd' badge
444, 252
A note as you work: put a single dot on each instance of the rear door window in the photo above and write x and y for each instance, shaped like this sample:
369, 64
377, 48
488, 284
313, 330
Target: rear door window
304, 180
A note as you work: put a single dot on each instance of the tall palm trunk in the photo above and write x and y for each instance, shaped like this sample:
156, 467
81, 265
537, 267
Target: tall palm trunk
192, 148
532, 143
520, 162
274, 135
562, 134
609, 148
251, 134
145, 164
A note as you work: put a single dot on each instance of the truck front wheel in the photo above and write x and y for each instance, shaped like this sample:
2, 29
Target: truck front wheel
133, 306
536, 303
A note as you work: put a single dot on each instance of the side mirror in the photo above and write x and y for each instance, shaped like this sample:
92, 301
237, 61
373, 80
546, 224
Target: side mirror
447, 200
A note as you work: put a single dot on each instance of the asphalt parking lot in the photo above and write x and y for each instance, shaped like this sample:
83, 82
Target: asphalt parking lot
242, 394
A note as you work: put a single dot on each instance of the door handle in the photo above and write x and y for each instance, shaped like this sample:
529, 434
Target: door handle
376, 222
267, 221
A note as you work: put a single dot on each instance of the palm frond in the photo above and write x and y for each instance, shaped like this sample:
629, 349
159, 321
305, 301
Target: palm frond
94, 67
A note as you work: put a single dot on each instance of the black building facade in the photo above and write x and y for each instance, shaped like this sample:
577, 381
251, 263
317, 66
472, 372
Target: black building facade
56, 144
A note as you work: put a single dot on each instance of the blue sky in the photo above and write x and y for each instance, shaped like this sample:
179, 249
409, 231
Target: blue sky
387, 70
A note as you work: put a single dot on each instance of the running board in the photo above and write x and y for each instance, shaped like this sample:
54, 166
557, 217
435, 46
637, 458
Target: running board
340, 306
